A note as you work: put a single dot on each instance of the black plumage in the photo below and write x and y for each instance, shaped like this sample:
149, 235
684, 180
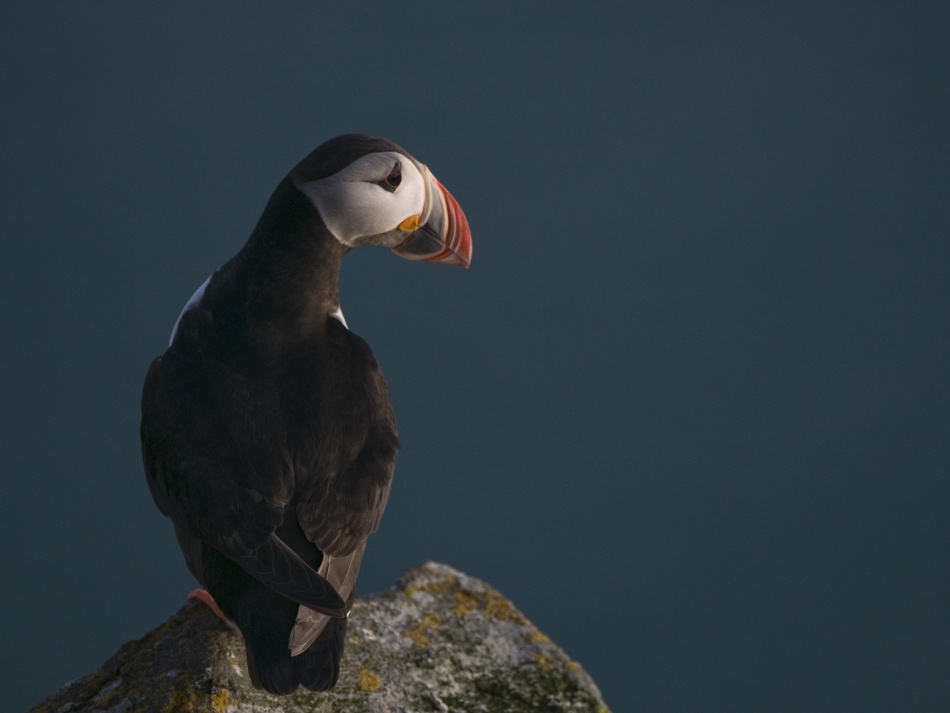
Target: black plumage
268, 436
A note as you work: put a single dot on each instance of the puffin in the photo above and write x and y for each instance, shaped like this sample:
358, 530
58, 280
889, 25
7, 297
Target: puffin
268, 434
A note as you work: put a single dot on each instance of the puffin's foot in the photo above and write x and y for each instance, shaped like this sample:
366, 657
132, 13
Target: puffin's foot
202, 595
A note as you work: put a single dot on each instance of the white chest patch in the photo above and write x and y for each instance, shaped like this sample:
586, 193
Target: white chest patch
191, 304
337, 314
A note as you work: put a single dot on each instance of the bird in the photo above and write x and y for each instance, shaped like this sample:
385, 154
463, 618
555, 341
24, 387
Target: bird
268, 432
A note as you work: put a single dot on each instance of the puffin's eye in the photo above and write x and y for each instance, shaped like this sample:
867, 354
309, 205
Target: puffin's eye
392, 181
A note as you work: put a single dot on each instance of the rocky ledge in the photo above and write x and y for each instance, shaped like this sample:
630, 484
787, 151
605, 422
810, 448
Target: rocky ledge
438, 640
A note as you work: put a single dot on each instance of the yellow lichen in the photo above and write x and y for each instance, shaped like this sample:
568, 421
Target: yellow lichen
536, 636
418, 632
465, 602
181, 700
181, 695
544, 663
492, 603
498, 607
220, 700
369, 681
441, 585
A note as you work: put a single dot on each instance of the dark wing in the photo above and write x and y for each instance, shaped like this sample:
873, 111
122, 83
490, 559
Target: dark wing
198, 474
338, 510
282, 569
214, 469
341, 532
352, 510
339, 515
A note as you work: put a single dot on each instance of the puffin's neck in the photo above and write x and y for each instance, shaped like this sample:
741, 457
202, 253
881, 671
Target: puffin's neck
290, 270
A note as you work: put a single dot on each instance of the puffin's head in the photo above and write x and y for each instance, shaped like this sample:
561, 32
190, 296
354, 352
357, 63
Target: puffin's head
368, 190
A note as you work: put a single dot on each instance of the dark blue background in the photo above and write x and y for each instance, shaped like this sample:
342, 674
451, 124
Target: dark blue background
690, 406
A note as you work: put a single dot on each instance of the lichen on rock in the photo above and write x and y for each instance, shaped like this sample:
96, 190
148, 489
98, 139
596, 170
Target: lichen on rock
438, 640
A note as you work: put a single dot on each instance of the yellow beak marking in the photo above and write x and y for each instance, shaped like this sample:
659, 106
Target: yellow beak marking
409, 224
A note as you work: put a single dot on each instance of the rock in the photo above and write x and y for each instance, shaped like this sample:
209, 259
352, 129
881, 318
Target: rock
439, 640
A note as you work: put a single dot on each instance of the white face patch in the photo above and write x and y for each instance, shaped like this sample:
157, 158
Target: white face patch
190, 304
355, 204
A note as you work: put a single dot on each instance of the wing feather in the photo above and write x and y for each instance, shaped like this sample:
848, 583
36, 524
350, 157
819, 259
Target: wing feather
341, 573
281, 569
199, 449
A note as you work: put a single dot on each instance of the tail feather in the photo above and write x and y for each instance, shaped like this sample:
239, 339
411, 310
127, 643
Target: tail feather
318, 668
268, 658
265, 619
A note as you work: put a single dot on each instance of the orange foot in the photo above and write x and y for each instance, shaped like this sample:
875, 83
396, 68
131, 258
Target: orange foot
202, 595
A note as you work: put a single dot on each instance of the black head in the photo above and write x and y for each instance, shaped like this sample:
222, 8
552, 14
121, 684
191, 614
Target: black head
336, 154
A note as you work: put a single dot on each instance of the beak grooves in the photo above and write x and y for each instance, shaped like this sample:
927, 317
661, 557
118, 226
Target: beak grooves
445, 237
456, 235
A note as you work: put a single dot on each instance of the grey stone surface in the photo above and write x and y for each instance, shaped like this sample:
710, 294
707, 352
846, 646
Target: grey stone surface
438, 640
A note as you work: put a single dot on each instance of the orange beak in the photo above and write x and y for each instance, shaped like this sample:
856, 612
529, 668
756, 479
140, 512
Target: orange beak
445, 236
